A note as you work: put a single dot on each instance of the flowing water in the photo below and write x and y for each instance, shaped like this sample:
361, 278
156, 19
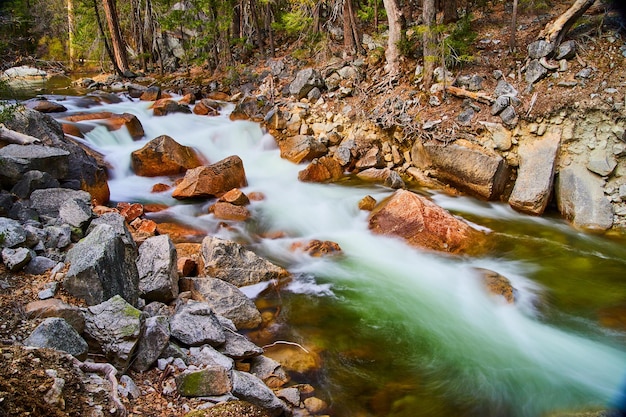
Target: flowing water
400, 331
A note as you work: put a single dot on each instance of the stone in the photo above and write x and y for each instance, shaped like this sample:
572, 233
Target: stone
227, 211
580, 199
238, 346
367, 203
535, 175
207, 107
56, 333
48, 202
235, 197
373, 158
584, 73
33, 180
324, 169
130, 212
113, 327
231, 262
509, 116
497, 285
226, 300
213, 180
249, 388
157, 269
12, 232
152, 93
423, 224
194, 323
208, 356
251, 108
318, 248
269, 371
39, 265
16, 160
128, 389
466, 116
465, 165
301, 148
163, 156
535, 71
208, 381
539, 49
112, 121
601, 162
500, 135
500, 104
101, 267
58, 237
16, 259
305, 81
566, 50
315, 405
155, 337
165, 106
54, 307
83, 167
76, 212
503, 88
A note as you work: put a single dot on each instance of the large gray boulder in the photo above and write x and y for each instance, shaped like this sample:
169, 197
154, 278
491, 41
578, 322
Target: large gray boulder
466, 166
249, 388
231, 262
205, 382
158, 273
113, 327
48, 202
155, 338
580, 199
56, 333
226, 300
12, 232
305, 81
238, 346
16, 160
195, 324
100, 268
535, 175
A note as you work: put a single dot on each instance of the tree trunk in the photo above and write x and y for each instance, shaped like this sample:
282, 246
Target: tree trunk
254, 15
70, 31
513, 27
554, 32
107, 46
449, 11
119, 51
351, 37
392, 54
429, 42
268, 28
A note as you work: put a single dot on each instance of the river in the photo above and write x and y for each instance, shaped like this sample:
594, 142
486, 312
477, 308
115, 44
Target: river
399, 331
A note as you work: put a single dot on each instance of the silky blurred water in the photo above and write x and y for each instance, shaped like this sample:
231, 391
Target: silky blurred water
400, 331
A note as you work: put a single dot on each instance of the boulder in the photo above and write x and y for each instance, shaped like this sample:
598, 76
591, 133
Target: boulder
76, 212
208, 356
318, 248
423, 224
269, 371
157, 268
12, 232
235, 197
535, 71
113, 328
33, 180
16, 160
208, 381
580, 199
306, 80
226, 300
155, 338
48, 202
54, 307
497, 285
249, 388
16, 259
539, 49
207, 107
238, 346
251, 108
465, 165
163, 156
83, 168
227, 211
213, 180
231, 262
373, 158
56, 333
194, 323
152, 93
101, 268
301, 148
165, 106
535, 175
324, 169
385, 176
112, 121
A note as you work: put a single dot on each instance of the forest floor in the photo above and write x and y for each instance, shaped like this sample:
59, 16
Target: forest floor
601, 46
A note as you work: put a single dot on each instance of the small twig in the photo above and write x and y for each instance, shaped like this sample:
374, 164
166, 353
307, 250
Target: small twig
532, 103
282, 342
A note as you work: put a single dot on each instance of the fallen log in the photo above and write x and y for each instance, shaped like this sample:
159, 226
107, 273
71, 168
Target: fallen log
554, 32
12, 136
463, 93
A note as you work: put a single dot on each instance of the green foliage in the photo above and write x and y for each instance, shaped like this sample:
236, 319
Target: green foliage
459, 42
293, 22
51, 49
367, 11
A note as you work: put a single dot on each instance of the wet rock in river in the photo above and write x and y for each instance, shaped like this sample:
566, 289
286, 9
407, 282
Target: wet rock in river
163, 156
213, 180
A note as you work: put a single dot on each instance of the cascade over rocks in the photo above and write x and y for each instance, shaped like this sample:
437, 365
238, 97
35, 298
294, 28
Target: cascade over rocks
423, 224
163, 156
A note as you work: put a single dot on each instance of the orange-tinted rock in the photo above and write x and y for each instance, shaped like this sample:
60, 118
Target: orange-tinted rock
324, 169
112, 121
97, 186
496, 284
142, 229
187, 267
167, 106
160, 187
187, 99
256, 196
228, 211
367, 203
180, 232
72, 129
318, 248
207, 107
79, 117
218, 95
154, 207
46, 106
163, 156
301, 148
191, 251
130, 211
100, 210
424, 224
236, 197
151, 94
53, 307
213, 180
